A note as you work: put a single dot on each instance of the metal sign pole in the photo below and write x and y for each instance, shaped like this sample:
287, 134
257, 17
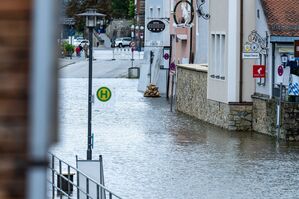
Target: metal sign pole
278, 112
89, 137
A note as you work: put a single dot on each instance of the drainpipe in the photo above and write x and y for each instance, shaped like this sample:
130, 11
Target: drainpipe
42, 95
241, 49
191, 35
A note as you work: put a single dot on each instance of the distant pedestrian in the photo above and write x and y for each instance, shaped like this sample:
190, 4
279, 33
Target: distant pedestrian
78, 51
85, 48
81, 48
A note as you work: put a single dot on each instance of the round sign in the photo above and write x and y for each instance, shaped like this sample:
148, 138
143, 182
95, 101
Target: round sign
166, 56
104, 94
280, 70
132, 44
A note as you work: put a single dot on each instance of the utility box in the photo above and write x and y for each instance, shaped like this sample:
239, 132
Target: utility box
133, 72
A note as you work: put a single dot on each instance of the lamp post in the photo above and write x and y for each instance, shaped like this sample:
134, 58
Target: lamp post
137, 35
91, 21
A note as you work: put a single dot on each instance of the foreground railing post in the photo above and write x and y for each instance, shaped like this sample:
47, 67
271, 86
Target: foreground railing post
78, 184
87, 188
60, 179
53, 176
68, 183
98, 191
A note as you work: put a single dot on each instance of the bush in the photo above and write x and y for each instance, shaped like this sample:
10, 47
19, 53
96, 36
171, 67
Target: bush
68, 48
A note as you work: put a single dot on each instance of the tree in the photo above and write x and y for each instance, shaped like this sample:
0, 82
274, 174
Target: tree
120, 8
75, 7
131, 9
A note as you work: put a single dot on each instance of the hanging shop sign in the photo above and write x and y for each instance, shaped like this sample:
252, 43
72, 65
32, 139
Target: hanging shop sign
156, 26
259, 71
255, 46
183, 14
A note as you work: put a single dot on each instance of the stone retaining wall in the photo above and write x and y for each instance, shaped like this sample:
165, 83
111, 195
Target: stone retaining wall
259, 116
264, 117
192, 100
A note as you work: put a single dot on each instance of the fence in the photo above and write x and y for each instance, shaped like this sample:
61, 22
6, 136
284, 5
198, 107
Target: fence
65, 182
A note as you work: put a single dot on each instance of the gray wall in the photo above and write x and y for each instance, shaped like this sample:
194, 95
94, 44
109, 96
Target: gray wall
192, 100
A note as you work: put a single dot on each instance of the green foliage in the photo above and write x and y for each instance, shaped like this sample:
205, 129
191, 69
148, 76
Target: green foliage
120, 8
68, 47
75, 7
131, 9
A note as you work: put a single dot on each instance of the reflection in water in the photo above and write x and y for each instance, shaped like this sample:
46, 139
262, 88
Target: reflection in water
150, 152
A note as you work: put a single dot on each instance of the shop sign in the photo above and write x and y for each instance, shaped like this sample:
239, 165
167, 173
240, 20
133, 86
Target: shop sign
248, 55
259, 71
156, 26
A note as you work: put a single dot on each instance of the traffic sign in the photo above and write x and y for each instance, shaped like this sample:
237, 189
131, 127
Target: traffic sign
166, 56
280, 70
259, 71
104, 94
132, 44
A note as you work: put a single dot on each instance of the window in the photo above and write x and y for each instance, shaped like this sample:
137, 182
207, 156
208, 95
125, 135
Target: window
217, 56
151, 12
159, 12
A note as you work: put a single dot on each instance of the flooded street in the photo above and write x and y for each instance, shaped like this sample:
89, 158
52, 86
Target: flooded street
151, 153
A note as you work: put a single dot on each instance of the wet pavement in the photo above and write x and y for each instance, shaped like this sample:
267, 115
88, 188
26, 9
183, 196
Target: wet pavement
151, 153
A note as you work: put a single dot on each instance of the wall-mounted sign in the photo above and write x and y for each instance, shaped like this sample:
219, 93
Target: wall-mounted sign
255, 46
248, 55
259, 71
156, 26
183, 14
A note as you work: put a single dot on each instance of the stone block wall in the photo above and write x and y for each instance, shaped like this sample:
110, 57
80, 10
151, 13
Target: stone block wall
192, 100
264, 117
290, 121
15, 17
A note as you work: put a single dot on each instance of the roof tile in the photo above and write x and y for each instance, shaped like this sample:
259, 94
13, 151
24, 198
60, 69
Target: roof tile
282, 16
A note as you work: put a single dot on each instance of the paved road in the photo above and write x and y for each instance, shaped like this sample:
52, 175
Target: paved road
103, 65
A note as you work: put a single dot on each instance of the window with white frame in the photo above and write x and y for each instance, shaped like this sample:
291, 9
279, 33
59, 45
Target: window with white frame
159, 12
217, 56
151, 12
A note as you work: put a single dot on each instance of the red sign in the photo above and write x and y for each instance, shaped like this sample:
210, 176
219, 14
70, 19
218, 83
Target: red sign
280, 70
166, 56
259, 71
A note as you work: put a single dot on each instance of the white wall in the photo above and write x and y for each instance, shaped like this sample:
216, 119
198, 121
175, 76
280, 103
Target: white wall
202, 37
155, 39
161, 38
262, 27
218, 23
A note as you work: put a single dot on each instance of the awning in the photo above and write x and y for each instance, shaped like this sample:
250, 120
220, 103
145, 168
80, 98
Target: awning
182, 36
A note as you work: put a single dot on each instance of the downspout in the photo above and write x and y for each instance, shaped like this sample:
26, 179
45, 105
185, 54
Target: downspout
241, 49
273, 68
191, 35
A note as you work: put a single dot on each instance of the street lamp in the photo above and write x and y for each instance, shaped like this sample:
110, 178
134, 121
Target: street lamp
137, 34
91, 21
284, 59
